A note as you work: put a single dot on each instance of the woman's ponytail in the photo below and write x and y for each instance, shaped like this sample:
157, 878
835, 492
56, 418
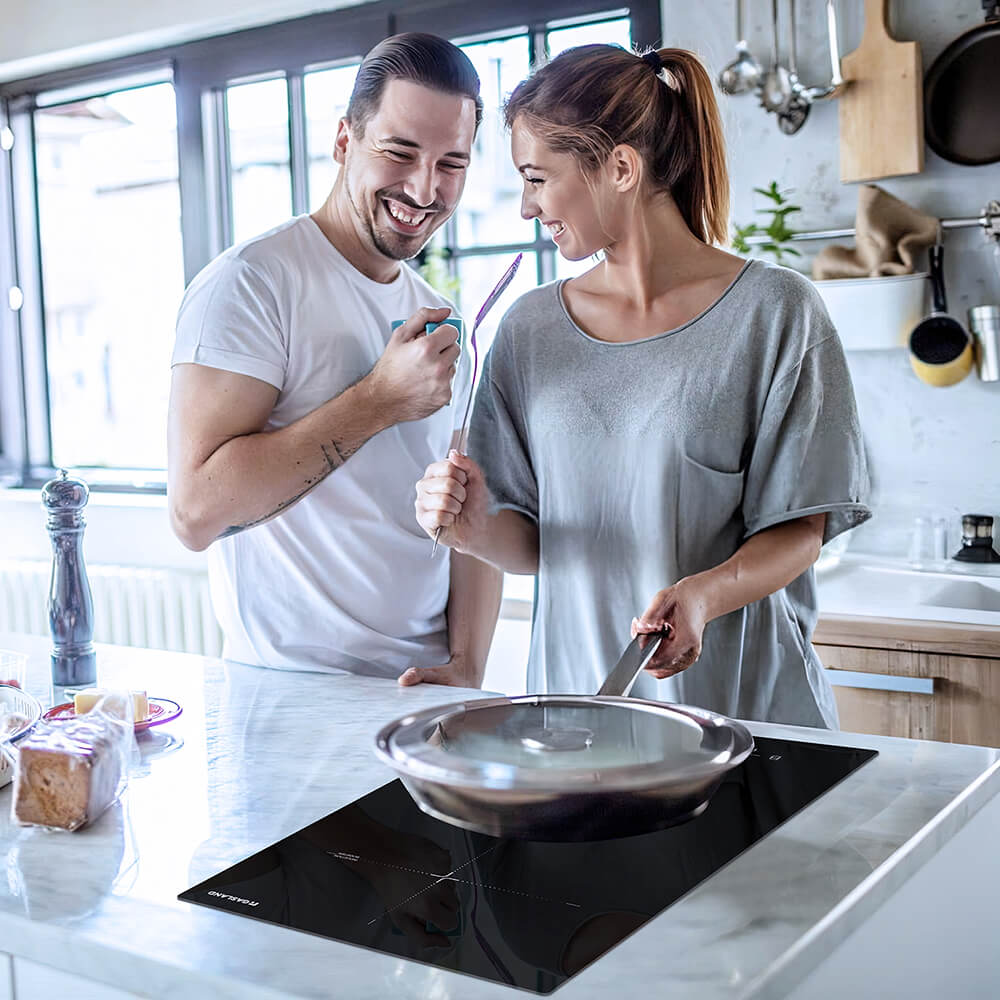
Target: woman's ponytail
707, 178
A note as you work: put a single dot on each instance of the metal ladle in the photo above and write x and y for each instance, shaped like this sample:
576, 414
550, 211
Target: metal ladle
776, 87
783, 92
743, 74
793, 116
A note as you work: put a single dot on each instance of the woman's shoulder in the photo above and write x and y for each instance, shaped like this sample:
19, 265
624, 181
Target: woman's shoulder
538, 302
528, 313
780, 284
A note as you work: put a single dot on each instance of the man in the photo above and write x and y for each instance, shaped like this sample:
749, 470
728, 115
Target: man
299, 422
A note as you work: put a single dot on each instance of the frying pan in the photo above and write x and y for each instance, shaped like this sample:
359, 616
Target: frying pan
961, 110
565, 767
940, 347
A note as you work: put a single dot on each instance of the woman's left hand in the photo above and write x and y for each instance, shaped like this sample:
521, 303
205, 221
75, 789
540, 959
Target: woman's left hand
680, 612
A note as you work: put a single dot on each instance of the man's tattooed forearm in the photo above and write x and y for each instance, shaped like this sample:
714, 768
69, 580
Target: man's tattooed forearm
237, 528
341, 451
336, 455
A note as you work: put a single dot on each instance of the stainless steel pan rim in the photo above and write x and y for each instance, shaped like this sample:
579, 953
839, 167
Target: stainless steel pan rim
403, 744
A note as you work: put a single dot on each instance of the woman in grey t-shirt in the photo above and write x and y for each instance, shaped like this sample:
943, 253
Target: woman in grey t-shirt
668, 439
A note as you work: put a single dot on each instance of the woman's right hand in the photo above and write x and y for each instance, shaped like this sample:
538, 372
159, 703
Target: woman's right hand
453, 496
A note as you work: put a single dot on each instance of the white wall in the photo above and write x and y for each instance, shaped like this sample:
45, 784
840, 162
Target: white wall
932, 449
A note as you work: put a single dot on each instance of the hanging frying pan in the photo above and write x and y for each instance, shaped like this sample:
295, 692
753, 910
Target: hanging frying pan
961, 109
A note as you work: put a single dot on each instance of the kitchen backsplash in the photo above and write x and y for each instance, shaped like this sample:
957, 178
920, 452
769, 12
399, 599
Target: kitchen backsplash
932, 451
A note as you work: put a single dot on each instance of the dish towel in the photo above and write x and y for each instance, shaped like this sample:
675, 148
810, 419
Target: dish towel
888, 233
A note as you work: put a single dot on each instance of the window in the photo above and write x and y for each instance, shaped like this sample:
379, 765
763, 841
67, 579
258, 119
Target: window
120, 181
111, 285
260, 175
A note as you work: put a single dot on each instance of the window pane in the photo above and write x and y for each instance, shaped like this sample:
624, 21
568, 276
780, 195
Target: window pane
616, 32
112, 266
477, 278
261, 176
490, 211
327, 94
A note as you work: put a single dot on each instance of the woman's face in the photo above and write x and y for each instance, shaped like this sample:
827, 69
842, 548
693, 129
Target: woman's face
558, 195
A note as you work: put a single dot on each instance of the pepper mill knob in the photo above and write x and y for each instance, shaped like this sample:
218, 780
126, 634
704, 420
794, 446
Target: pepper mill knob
65, 495
70, 604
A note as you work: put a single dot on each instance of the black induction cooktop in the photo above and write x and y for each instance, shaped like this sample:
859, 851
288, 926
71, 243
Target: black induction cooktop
381, 874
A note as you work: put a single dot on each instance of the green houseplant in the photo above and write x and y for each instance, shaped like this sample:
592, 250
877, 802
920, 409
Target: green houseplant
776, 233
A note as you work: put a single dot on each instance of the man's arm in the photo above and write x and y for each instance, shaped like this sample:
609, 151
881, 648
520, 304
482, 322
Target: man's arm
225, 473
473, 606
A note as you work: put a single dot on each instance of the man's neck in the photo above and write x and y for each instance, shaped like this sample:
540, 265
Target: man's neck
337, 223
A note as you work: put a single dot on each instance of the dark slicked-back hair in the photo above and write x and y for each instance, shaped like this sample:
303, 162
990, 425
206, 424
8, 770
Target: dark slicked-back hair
420, 58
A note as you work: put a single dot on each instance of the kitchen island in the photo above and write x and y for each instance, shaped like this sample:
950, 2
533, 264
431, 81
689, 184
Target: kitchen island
258, 754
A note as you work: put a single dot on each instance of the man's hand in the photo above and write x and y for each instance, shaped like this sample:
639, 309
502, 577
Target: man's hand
680, 612
453, 496
457, 672
413, 377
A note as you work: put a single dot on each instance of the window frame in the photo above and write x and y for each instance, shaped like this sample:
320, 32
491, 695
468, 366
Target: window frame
200, 72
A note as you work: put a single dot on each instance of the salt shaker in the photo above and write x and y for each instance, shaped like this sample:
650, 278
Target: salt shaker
70, 604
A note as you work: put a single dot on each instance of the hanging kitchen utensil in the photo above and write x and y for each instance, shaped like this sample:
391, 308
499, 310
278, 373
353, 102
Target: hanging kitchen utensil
776, 86
743, 74
961, 109
837, 84
940, 347
793, 116
881, 112
565, 767
781, 89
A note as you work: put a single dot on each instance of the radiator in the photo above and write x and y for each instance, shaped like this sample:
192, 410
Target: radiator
155, 608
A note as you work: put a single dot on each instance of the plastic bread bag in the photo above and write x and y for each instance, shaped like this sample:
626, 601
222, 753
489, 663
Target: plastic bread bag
11, 722
70, 770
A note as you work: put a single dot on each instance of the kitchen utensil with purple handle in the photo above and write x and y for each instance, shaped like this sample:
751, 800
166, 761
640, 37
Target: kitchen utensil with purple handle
508, 277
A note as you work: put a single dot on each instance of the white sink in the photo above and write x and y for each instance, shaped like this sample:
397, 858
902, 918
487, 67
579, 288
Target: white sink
960, 594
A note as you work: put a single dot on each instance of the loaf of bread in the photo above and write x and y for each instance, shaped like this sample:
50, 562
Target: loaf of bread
68, 773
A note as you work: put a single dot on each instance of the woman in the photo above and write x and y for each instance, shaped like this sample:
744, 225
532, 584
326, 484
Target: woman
668, 439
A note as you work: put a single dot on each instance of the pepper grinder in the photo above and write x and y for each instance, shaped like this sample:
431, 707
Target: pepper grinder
977, 540
70, 604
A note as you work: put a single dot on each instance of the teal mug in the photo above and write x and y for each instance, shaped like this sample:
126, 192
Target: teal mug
431, 327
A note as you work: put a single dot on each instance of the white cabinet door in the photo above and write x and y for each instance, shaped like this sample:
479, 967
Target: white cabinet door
40, 982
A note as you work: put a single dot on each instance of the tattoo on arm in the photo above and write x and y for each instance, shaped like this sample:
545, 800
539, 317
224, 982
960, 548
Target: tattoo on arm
341, 453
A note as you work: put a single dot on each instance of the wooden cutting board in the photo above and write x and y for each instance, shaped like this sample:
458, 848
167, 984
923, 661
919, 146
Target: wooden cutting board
882, 109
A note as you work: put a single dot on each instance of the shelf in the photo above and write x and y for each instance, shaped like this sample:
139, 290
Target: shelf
989, 221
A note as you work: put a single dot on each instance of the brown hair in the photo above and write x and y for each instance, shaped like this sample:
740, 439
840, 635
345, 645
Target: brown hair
592, 98
420, 58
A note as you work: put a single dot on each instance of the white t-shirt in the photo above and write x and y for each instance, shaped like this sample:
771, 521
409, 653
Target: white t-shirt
343, 580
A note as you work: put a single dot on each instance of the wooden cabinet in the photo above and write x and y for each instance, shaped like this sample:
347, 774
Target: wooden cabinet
920, 680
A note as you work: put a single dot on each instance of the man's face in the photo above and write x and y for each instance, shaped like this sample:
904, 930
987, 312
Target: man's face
404, 176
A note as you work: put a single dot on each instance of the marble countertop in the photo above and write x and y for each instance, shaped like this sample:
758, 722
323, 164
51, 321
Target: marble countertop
258, 754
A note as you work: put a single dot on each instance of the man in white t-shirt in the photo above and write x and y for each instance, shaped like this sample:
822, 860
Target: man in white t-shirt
299, 421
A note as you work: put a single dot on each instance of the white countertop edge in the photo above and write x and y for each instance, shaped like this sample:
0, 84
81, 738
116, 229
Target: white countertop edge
93, 959
860, 903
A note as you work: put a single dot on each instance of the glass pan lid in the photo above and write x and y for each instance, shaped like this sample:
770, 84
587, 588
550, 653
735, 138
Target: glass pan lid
556, 741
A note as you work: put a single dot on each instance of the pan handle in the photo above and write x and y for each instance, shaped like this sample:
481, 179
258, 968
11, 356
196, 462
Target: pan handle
633, 661
937, 278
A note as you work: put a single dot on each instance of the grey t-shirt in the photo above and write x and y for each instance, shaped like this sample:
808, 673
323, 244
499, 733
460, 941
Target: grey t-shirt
647, 461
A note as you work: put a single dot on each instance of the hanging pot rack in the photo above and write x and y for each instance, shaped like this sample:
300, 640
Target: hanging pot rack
989, 220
